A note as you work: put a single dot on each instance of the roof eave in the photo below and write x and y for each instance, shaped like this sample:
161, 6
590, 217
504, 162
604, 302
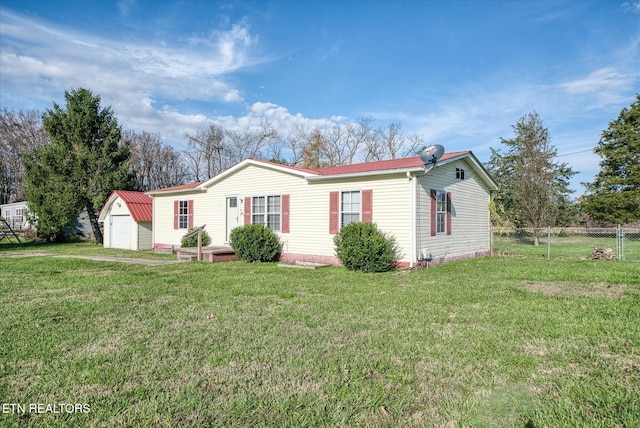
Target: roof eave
196, 189
363, 174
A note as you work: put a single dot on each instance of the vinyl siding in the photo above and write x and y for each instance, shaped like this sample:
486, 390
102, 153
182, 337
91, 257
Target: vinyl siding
391, 209
469, 212
163, 218
308, 208
145, 237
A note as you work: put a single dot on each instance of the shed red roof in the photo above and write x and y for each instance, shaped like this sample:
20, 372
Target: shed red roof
139, 204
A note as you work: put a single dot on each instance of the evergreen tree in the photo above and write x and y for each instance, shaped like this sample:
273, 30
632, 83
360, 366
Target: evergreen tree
533, 188
614, 196
84, 163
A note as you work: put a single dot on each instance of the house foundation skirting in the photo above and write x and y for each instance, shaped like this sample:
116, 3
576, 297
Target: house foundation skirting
289, 257
466, 256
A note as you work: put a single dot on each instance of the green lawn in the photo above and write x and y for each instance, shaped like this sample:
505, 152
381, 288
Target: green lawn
486, 342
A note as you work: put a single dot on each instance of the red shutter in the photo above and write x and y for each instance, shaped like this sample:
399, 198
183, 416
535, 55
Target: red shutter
448, 213
176, 211
247, 210
190, 214
285, 214
367, 206
433, 212
334, 212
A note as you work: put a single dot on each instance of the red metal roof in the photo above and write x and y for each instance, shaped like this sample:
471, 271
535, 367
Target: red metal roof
383, 165
139, 204
180, 187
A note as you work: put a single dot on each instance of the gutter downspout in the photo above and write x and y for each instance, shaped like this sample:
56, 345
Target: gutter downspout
412, 233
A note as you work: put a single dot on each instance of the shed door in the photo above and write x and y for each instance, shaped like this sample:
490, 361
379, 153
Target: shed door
120, 231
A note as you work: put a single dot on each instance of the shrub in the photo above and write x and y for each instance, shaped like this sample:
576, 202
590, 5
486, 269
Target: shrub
192, 241
362, 246
254, 243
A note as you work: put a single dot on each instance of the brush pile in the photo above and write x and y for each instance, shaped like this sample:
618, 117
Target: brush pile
603, 253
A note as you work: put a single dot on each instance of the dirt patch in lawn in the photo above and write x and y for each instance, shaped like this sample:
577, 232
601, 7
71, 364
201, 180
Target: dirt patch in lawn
576, 289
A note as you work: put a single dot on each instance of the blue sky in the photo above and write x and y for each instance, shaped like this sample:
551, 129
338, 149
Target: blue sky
459, 73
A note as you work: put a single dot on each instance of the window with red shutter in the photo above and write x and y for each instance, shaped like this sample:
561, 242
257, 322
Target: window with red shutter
176, 213
334, 212
448, 213
285, 213
247, 210
190, 214
367, 206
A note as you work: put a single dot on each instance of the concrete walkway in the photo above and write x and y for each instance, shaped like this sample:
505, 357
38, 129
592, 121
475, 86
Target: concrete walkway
98, 258
124, 260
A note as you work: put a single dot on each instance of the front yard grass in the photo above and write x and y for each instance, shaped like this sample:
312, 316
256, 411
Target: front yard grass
485, 342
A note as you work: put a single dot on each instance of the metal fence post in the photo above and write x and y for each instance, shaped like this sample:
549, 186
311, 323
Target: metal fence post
620, 243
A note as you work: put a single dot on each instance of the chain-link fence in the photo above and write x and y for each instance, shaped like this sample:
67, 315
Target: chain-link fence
568, 243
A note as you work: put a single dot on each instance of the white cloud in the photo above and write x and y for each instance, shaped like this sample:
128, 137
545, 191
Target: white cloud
630, 6
605, 79
40, 58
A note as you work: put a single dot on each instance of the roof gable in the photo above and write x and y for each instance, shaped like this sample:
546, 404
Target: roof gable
294, 170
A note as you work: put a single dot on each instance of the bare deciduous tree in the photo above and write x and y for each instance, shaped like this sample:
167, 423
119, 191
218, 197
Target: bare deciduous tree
20, 134
249, 143
156, 165
206, 153
295, 142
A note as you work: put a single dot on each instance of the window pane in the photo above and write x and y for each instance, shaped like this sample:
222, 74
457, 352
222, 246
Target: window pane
273, 222
346, 201
349, 218
258, 205
440, 223
274, 204
350, 207
183, 214
441, 212
257, 219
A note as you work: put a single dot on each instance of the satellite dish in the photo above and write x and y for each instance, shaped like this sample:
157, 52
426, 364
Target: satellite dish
430, 156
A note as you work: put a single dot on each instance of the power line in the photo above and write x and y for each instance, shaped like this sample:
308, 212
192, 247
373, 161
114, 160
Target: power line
575, 153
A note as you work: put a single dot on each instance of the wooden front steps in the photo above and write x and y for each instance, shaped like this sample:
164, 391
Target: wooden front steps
209, 254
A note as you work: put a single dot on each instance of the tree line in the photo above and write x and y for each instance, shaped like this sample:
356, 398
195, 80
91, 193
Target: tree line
71, 158
209, 150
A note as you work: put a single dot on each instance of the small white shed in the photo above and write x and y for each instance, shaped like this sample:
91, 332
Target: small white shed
127, 219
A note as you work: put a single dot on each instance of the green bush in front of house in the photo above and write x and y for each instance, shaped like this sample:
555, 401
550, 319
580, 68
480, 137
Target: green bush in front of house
362, 246
254, 243
192, 241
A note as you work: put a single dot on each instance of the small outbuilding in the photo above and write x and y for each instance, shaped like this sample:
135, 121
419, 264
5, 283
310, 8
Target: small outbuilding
127, 220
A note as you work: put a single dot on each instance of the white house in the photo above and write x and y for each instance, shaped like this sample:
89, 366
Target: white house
127, 221
440, 215
16, 215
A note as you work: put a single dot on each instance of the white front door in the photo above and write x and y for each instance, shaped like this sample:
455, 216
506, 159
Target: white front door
232, 215
120, 231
